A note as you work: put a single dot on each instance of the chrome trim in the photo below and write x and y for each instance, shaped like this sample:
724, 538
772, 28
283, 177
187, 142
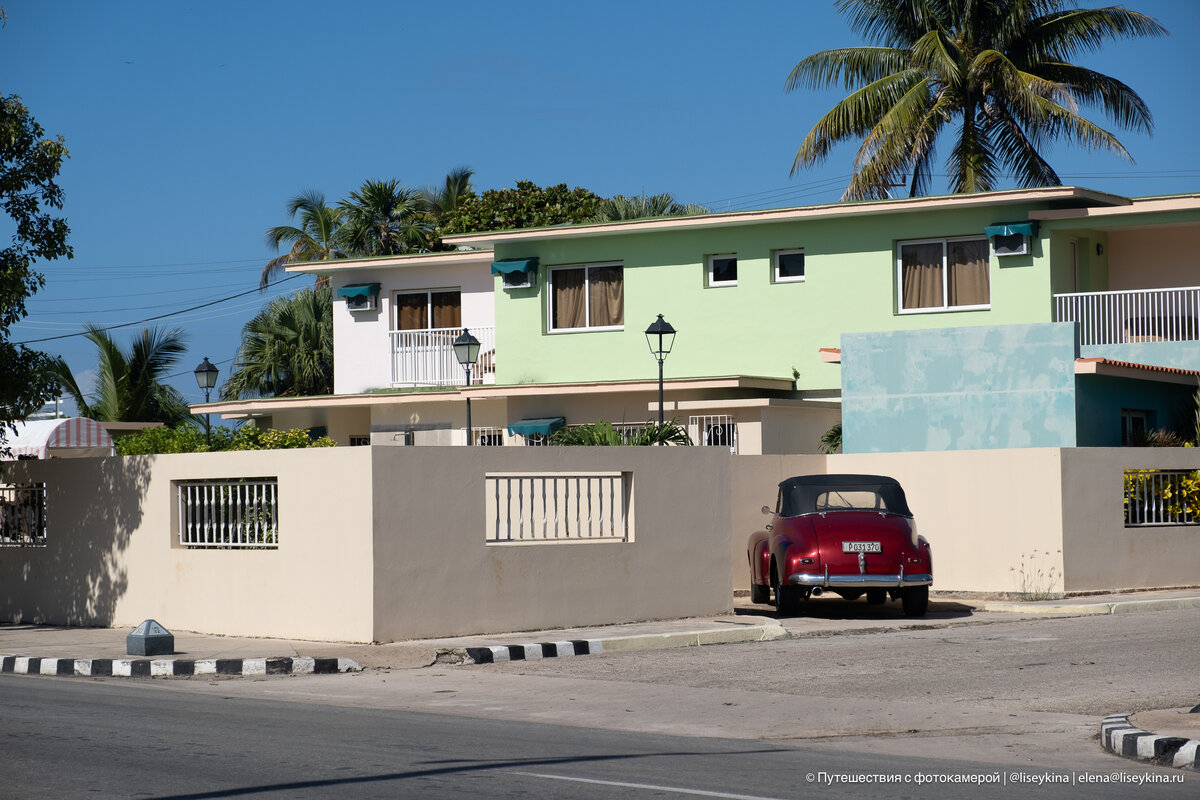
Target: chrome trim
827, 581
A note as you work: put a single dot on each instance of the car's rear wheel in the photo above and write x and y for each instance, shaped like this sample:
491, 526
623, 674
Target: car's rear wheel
760, 594
915, 600
787, 598
876, 597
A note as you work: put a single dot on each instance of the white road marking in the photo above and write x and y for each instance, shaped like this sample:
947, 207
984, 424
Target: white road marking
651, 787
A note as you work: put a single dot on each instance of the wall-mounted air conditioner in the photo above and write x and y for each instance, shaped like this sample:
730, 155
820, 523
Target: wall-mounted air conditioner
1015, 245
364, 302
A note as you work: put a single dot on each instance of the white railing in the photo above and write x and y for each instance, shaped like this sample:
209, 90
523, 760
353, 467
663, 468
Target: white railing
1161, 497
426, 358
23, 515
540, 509
1140, 315
487, 436
715, 430
241, 513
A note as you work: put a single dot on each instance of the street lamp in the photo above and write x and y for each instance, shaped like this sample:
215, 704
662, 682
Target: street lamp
466, 350
661, 337
206, 378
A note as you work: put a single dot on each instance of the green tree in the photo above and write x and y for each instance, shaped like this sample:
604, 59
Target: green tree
999, 70
620, 207
287, 349
130, 383
29, 165
603, 434
383, 218
526, 206
190, 439
319, 237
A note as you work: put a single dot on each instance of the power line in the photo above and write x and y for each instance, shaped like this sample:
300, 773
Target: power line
159, 316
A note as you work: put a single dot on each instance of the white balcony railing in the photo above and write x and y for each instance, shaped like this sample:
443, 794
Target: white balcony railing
426, 358
1140, 315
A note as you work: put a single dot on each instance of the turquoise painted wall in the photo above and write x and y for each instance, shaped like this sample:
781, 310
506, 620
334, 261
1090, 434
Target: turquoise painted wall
1100, 399
757, 327
959, 388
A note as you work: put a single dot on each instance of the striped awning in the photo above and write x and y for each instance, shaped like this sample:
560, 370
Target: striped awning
38, 438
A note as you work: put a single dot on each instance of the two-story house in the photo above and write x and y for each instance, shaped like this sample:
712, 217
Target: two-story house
1042, 317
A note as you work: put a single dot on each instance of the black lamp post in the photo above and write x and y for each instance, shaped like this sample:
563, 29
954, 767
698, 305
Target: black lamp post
661, 337
206, 378
466, 350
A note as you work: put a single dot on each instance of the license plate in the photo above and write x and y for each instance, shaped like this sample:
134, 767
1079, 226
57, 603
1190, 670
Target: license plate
862, 547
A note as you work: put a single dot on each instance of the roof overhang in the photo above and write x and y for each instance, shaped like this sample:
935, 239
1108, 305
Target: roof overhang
1141, 372
616, 387
830, 355
1147, 205
831, 210
483, 257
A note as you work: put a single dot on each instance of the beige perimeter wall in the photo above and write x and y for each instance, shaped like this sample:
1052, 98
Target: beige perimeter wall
376, 543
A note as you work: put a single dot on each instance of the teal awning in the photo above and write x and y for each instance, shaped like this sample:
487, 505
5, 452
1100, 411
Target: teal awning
509, 265
1012, 229
359, 290
545, 426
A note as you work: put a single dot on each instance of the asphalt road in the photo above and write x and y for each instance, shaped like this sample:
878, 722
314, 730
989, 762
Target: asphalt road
68, 738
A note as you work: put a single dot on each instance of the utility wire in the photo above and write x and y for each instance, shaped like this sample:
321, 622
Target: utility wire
160, 316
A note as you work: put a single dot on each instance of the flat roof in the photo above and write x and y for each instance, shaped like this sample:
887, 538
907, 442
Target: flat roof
389, 262
828, 210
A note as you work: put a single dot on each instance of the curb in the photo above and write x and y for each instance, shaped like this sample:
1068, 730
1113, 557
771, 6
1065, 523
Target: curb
1105, 608
528, 651
173, 667
1120, 738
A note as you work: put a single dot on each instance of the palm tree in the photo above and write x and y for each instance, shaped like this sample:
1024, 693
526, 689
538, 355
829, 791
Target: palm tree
998, 69
619, 207
384, 218
319, 237
130, 383
457, 188
287, 349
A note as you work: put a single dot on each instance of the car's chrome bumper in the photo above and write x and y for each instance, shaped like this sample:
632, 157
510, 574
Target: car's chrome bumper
828, 581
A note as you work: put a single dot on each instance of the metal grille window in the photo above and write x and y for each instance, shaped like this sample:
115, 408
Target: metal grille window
543, 509
237, 513
715, 430
536, 440
1161, 497
23, 515
360, 440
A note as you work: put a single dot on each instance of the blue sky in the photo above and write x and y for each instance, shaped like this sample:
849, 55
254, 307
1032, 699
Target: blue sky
191, 124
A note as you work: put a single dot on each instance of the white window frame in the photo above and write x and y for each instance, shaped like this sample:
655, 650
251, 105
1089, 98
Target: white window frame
708, 260
942, 309
775, 265
587, 300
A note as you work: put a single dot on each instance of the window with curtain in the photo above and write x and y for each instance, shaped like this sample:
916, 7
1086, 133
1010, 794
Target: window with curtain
421, 311
943, 274
591, 296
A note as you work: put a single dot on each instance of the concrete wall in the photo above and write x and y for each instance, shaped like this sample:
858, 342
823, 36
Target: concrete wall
435, 576
376, 543
959, 388
112, 556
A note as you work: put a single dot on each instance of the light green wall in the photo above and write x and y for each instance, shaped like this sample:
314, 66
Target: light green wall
757, 327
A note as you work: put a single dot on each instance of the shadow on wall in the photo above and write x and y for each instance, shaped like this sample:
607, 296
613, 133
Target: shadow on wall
93, 506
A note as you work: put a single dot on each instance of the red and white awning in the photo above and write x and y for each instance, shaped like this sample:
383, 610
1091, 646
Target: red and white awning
39, 438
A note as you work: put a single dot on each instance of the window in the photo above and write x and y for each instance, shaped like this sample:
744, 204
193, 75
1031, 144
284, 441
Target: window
23, 514
587, 297
360, 440
789, 266
722, 270
422, 311
715, 430
1135, 424
943, 275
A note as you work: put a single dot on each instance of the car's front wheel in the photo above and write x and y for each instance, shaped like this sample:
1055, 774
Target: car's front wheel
915, 600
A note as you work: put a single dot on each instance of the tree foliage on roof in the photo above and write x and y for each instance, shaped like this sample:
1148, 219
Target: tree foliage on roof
994, 79
29, 164
526, 206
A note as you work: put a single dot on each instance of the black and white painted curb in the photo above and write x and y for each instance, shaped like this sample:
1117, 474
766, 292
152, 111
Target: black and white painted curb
1123, 739
173, 667
530, 651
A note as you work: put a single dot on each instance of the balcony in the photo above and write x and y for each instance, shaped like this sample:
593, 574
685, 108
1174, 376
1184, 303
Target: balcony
1139, 315
426, 357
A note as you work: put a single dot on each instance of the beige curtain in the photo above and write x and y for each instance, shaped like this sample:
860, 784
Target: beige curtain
968, 278
447, 310
606, 296
411, 312
921, 275
568, 300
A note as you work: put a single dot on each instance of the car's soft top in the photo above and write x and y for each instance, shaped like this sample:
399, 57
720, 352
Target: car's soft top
810, 494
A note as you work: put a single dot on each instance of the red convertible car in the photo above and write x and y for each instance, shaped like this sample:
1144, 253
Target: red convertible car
849, 534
